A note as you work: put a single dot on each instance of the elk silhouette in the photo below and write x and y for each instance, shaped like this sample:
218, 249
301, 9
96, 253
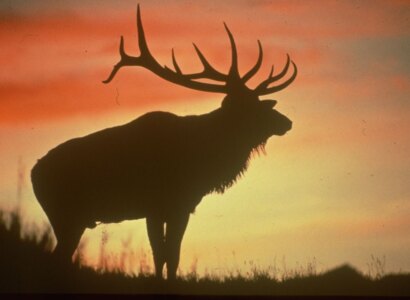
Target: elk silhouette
160, 165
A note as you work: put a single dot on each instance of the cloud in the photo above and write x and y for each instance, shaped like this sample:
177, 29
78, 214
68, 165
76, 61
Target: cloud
87, 95
342, 19
64, 52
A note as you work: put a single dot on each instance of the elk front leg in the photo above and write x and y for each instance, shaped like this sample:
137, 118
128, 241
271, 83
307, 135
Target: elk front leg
67, 241
175, 230
155, 228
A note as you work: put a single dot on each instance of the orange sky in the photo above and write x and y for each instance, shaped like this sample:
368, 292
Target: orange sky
335, 188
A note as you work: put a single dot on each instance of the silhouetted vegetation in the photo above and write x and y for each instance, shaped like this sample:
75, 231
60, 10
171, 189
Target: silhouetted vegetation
27, 267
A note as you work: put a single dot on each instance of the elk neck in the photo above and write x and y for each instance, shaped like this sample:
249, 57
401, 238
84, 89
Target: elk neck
228, 141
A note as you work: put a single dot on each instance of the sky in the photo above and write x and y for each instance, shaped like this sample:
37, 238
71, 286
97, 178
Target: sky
334, 190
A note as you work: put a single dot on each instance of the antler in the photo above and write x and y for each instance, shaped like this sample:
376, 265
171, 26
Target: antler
264, 89
256, 67
146, 60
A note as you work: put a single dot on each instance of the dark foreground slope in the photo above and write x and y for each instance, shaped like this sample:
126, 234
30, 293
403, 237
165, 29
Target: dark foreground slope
26, 268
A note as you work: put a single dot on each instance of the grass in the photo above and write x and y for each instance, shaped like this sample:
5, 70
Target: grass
27, 267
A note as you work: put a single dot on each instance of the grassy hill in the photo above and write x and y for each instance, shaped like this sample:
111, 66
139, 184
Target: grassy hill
27, 268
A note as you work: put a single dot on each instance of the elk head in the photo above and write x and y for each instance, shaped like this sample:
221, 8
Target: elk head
240, 100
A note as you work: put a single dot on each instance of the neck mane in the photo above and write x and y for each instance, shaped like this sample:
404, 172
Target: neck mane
234, 147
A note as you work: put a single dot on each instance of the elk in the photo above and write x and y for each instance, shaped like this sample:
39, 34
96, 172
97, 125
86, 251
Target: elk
160, 165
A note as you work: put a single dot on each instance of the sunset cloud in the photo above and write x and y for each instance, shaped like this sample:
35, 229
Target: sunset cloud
343, 19
65, 53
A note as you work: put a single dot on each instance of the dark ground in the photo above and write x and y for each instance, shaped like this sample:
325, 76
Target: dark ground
26, 268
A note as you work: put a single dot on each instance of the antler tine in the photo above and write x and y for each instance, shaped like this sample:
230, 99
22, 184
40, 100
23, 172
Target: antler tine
142, 42
265, 90
123, 56
264, 84
208, 71
233, 72
147, 60
256, 67
174, 62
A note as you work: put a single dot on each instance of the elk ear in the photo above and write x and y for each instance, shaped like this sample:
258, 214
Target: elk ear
269, 104
226, 102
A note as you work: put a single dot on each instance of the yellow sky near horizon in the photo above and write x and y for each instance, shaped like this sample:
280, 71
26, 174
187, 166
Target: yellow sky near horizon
336, 187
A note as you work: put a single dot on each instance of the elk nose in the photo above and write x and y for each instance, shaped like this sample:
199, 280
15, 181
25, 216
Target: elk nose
290, 125
285, 127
